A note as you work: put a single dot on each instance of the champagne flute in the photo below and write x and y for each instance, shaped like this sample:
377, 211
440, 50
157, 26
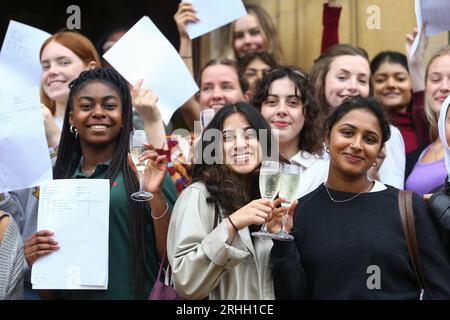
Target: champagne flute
269, 184
290, 181
206, 116
138, 138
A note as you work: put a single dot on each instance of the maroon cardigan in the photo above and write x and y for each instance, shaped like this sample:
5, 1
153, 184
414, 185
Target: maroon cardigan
330, 21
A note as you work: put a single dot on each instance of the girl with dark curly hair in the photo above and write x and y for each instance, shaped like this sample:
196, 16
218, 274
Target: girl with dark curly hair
285, 98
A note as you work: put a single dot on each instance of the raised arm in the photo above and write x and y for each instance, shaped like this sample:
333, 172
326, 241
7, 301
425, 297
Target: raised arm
190, 110
144, 101
153, 182
331, 14
416, 61
184, 15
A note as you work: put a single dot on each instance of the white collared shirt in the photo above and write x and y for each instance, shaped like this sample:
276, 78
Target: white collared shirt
313, 171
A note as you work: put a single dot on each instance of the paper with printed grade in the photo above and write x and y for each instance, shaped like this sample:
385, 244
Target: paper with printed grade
213, 14
144, 53
77, 212
24, 157
20, 51
435, 13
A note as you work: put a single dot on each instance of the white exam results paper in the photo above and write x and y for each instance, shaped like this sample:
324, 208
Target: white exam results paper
209, 19
24, 160
20, 51
435, 13
24, 157
144, 53
77, 212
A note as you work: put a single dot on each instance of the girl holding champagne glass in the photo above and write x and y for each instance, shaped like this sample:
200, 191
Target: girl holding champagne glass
95, 145
350, 226
209, 245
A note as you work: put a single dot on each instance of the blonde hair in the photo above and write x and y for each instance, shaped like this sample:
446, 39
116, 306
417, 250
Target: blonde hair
78, 44
432, 116
268, 32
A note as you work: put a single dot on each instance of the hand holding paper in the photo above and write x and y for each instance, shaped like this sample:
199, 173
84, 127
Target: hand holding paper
214, 14
433, 13
185, 14
77, 211
144, 53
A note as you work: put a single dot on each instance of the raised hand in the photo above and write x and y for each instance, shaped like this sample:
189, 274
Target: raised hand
333, 3
274, 225
39, 244
416, 61
257, 212
144, 101
184, 14
423, 44
52, 132
154, 172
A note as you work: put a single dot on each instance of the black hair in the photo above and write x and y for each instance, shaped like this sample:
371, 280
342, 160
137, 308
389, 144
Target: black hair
358, 102
69, 156
224, 186
388, 56
264, 56
311, 133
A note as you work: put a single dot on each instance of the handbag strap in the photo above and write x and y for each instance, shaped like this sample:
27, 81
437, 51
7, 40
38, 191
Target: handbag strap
161, 265
409, 229
164, 260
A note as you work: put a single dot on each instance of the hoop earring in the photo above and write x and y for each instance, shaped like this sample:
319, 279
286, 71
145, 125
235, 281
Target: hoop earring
327, 150
72, 129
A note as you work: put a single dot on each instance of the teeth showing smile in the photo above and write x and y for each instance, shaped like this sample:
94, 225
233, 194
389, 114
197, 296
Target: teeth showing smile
55, 83
241, 158
99, 127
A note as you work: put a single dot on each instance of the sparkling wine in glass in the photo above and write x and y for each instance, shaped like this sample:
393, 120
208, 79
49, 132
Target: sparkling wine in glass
206, 116
290, 181
269, 185
138, 139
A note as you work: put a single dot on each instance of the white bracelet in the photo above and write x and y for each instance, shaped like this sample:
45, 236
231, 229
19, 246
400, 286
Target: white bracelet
164, 213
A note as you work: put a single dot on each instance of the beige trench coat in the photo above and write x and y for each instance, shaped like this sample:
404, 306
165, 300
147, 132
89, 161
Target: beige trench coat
204, 265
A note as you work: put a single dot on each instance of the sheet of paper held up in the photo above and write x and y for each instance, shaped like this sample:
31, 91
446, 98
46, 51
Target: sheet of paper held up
209, 19
77, 212
435, 14
144, 53
24, 160
20, 51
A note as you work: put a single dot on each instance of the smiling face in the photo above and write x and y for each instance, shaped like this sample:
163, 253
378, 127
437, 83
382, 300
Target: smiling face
247, 36
60, 66
97, 115
219, 86
241, 148
438, 82
254, 71
283, 109
348, 76
392, 86
354, 143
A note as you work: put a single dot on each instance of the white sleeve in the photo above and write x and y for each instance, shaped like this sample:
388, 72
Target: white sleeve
392, 171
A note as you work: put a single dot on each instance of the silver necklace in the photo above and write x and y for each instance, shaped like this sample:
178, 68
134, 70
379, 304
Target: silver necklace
340, 201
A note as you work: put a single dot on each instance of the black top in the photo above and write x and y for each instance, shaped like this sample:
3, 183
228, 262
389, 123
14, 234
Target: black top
338, 246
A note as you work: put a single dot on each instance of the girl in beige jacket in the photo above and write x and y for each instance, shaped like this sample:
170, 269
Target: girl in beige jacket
209, 245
